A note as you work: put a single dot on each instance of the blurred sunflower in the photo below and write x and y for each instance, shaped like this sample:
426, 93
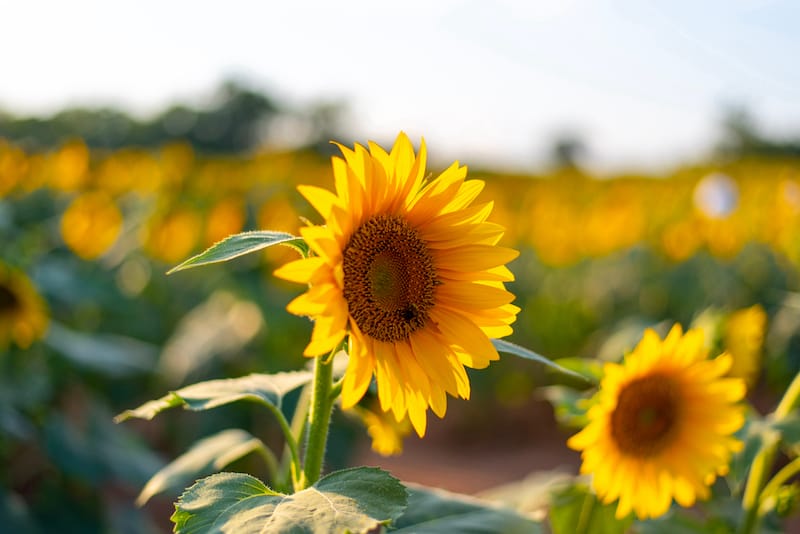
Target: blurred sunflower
225, 218
91, 224
744, 340
23, 314
386, 433
662, 425
13, 167
410, 271
171, 235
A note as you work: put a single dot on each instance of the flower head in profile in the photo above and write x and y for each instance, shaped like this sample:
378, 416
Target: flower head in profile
23, 314
662, 425
409, 271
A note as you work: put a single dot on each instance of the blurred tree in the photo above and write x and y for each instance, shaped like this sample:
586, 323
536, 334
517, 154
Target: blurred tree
741, 136
567, 151
325, 120
233, 122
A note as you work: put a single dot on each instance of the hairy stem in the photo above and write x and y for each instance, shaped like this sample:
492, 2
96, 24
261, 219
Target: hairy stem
319, 418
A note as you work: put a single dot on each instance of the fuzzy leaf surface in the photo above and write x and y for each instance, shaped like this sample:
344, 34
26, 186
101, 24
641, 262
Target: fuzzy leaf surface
356, 500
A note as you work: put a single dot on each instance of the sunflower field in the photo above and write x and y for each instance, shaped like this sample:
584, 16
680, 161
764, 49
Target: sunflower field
576, 353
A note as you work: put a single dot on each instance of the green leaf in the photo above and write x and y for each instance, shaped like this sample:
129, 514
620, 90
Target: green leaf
14, 515
352, 500
512, 348
109, 354
789, 427
13, 423
681, 521
576, 509
752, 434
265, 389
569, 406
97, 450
586, 367
439, 512
240, 244
206, 456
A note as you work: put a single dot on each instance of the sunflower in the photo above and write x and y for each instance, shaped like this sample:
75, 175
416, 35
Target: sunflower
91, 224
386, 433
409, 271
662, 425
744, 339
23, 314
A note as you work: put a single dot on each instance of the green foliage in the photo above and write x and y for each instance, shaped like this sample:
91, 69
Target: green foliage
440, 512
511, 348
576, 509
112, 355
569, 406
752, 434
789, 428
261, 388
240, 244
206, 456
355, 500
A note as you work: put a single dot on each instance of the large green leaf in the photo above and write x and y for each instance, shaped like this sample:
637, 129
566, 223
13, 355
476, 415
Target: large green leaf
352, 500
265, 389
512, 348
439, 512
109, 354
240, 244
206, 456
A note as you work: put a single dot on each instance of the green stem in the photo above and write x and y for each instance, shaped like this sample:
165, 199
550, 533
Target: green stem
762, 463
319, 418
336, 390
287, 432
585, 514
785, 473
289, 469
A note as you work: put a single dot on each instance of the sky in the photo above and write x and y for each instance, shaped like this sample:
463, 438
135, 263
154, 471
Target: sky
645, 84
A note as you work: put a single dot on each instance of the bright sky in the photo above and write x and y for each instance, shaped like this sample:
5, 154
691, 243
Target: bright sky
483, 81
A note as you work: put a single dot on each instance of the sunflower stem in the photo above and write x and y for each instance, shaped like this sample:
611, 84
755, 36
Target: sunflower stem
291, 443
783, 475
319, 417
762, 463
336, 390
290, 468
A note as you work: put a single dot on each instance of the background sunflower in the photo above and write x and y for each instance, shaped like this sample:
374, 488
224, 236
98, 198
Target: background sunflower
23, 313
662, 426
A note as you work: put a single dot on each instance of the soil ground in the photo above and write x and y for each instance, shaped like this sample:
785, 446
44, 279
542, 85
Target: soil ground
470, 453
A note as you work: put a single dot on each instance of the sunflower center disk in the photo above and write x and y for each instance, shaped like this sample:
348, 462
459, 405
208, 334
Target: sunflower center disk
646, 416
389, 278
8, 300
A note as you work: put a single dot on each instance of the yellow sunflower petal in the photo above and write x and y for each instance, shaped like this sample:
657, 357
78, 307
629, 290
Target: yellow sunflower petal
360, 368
321, 199
676, 420
409, 269
300, 271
